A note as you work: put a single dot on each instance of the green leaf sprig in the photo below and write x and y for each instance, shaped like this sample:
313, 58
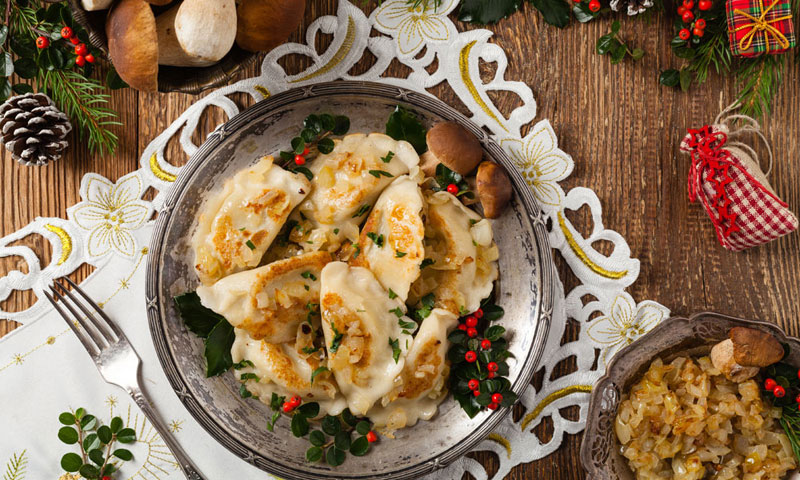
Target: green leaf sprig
403, 124
334, 439
444, 177
212, 327
98, 458
786, 376
314, 138
611, 44
462, 371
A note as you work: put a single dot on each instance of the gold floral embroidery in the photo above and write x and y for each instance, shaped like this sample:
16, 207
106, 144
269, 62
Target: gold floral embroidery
625, 323
414, 25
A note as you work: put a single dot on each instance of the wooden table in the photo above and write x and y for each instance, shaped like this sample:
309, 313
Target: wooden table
621, 128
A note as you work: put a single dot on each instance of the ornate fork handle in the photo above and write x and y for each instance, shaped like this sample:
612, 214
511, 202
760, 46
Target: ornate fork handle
186, 465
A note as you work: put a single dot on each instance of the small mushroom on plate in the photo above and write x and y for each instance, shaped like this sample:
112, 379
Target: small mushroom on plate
265, 24
494, 189
196, 33
744, 352
451, 144
133, 43
93, 5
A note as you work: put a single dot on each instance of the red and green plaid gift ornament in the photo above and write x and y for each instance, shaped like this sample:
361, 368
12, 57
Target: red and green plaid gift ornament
731, 186
756, 27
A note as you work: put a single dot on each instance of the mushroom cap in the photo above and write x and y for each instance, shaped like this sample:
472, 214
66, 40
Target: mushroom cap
754, 348
455, 147
133, 43
159, 2
494, 189
265, 24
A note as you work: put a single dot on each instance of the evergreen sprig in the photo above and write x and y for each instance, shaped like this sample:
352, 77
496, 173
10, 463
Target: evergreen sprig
758, 80
98, 458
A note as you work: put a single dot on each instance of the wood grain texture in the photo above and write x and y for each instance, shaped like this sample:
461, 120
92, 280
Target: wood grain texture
619, 125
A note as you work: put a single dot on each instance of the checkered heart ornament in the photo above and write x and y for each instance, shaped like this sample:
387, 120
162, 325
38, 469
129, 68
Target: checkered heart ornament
726, 178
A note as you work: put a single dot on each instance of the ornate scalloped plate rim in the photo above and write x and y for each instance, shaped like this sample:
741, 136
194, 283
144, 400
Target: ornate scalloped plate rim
615, 370
545, 281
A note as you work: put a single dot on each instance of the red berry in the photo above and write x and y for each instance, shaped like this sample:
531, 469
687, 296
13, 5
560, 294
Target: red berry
81, 49
778, 391
295, 401
492, 374
299, 160
798, 374
452, 188
497, 398
687, 16
90, 58
684, 34
474, 384
287, 407
681, 9
476, 392
797, 398
80, 61
470, 356
471, 321
769, 384
698, 32
594, 6
305, 151
463, 327
688, 4
74, 40
66, 32
371, 437
704, 5
492, 366
486, 344
42, 42
106, 478
492, 406
472, 332
700, 23
478, 313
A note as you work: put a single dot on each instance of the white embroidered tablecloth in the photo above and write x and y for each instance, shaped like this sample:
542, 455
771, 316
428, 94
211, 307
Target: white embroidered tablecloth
44, 370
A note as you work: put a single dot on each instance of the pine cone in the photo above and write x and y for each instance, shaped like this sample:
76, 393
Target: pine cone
635, 7
33, 130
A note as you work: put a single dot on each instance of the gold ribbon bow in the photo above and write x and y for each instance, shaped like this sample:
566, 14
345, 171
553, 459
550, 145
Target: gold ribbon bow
760, 24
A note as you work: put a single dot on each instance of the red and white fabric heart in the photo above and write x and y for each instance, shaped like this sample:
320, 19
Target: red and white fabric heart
732, 188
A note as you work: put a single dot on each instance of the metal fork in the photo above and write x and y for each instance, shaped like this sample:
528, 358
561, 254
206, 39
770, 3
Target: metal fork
114, 356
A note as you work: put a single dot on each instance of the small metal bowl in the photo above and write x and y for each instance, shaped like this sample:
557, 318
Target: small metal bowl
190, 80
677, 336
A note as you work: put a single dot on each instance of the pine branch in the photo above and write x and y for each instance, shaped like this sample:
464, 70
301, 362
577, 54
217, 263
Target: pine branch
15, 468
714, 52
758, 80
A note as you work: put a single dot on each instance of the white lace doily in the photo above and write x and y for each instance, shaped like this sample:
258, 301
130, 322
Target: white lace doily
43, 369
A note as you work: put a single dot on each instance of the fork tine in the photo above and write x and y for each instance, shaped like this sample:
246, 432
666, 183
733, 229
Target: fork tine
99, 325
87, 324
97, 308
87, 344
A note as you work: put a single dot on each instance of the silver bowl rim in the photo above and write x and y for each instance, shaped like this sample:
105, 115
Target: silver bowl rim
615, 371
545, 280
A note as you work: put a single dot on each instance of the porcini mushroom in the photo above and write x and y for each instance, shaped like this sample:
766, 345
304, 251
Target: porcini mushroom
196, 33
744, 352
451, 144
265, 24
92, 5
494, 189
133, 43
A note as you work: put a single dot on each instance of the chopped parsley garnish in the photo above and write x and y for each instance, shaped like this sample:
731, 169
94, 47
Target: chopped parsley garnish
475, 243
388, 158
337, 339
244, 392
241, 229
362, 210
397, 312
275, 404
399, 254
395, 344
377, 239
472, 221
358, 251
242, 364
392, 295
462, 311
309, 275
408, 327
427, 262
249, 376
250, 245
310, 350
317, 372
427, 302
336, 231
378, 173
306, 287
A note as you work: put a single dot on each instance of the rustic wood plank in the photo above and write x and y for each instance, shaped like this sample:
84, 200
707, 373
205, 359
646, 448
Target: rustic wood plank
623, 131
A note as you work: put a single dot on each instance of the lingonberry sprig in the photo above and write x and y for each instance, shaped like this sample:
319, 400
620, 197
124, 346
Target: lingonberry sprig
478, 355
98, 459
781, 387
452, 182
314, 139
340, 428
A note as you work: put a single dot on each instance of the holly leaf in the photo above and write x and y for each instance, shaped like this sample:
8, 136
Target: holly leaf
618, 53
6, 65
198, 319
582, 12
403, 124
669, 78
483, 12
554, 12
3, 33
686, 79
218, 349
